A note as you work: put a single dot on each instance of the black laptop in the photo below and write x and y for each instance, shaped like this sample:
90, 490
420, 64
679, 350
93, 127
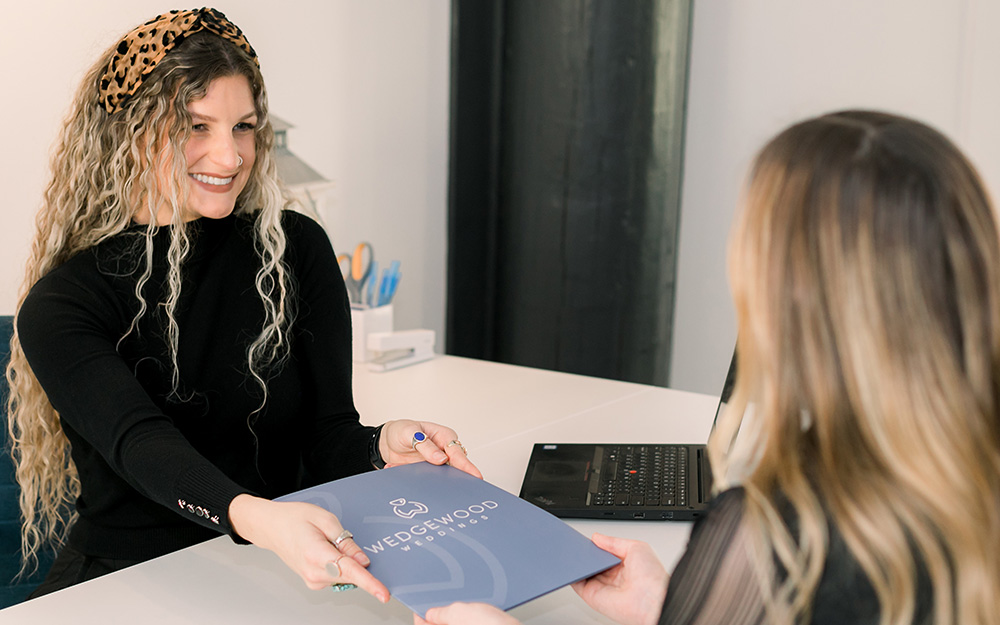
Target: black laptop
642, 481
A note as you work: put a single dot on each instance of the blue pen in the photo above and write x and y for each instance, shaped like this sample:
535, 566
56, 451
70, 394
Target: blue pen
383, 287
394, 275
387, 286
370, 285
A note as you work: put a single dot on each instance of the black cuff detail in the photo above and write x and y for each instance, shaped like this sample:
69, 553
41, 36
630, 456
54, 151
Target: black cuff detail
373, 453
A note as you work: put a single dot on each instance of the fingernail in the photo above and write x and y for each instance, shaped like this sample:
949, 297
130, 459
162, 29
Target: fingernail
440, 456
384, 598
362, 559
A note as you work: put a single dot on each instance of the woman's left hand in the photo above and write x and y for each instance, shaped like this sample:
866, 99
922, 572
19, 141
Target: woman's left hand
440, 445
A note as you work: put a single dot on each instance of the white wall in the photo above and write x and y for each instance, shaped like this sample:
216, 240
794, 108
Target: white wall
365, 82
757, 66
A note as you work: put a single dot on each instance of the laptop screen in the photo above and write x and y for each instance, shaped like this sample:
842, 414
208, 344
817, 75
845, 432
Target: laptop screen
727, 389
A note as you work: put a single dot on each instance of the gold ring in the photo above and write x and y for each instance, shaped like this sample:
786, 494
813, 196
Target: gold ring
342, 537
459, 443
332, 568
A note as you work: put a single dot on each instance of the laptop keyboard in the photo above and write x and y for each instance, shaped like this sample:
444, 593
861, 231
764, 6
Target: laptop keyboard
646, 475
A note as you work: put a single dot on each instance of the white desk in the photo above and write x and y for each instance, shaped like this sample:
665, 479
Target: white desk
498, 410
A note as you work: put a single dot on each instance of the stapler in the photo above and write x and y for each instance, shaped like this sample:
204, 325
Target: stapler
399, 349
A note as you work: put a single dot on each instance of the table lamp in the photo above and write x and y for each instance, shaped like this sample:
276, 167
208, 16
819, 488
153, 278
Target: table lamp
297, 175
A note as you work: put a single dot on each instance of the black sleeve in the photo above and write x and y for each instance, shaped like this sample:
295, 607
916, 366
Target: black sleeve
335, 443
67, 331
715, 582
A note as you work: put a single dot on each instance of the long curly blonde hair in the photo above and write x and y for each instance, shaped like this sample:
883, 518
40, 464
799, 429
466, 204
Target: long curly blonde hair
104, 174
866, 275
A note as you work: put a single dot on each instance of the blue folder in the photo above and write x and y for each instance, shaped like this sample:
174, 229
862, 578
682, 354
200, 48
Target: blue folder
436, 535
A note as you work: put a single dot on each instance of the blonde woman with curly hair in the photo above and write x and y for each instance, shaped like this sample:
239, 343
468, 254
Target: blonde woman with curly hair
182, 342
865, 269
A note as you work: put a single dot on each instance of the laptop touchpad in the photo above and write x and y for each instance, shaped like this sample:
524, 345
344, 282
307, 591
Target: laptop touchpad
559, 471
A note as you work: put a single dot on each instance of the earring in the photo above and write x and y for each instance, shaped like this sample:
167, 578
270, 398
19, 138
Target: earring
240, 161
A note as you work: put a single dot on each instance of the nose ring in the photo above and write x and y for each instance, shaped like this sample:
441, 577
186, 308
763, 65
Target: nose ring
240, 162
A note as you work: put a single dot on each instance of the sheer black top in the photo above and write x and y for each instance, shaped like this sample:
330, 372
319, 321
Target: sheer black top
715, 581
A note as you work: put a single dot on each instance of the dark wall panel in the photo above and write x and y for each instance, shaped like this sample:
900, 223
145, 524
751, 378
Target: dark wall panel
588, 120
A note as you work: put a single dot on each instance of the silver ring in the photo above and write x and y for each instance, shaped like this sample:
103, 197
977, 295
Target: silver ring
342, 537
418, 437
459, 443
241, 160
332, 568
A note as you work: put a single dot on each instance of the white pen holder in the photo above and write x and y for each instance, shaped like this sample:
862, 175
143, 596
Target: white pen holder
366, 321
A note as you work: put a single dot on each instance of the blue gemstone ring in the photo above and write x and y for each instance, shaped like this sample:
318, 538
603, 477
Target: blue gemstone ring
418, 437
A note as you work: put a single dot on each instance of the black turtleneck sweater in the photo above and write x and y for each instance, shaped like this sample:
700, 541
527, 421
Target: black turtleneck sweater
158, 469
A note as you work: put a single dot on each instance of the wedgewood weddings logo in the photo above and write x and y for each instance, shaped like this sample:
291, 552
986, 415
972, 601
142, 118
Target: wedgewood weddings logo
435, 527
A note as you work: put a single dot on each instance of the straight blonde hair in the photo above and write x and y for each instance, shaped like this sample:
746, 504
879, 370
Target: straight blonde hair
865, 271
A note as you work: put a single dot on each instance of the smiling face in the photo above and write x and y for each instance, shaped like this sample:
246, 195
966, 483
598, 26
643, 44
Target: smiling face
220, 153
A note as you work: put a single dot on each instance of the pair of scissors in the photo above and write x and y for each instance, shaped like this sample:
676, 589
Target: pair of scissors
358, 268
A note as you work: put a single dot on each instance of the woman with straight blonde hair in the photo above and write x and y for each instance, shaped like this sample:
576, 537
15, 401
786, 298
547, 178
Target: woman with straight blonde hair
182, 347
865, 270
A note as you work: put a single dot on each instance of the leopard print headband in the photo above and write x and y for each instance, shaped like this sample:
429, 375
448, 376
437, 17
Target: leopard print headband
140, 51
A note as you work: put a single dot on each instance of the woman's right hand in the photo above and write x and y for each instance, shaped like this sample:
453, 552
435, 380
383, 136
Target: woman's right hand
303, 536
631, 593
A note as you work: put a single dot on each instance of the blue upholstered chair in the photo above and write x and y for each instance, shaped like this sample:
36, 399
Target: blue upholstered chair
11, 591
